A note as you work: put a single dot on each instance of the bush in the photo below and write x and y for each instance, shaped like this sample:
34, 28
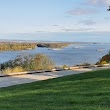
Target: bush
85, 64
13, 70
103, 62
29, 62
65, 66
41, 61
105, 59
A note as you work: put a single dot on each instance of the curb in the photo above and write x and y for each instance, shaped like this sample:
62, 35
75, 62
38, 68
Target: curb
44, 71
29, 72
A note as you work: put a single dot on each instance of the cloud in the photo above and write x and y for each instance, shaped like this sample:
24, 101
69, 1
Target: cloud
81, 11
99, 2
88, 22
77, 30
55, 25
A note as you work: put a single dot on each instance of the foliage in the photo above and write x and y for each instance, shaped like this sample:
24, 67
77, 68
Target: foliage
103, 62
105, 59
85, 64
65, 66
53, 45
16, 45
13, 70
86, 91
29, 62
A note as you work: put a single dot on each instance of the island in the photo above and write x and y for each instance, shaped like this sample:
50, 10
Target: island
53, 44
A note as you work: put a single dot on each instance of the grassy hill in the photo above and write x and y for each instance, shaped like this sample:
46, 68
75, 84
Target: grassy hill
87, 91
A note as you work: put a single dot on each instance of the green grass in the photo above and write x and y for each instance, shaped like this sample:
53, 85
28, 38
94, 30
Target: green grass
87, 91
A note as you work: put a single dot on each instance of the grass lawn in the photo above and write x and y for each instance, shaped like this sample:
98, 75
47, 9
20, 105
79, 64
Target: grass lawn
87, 91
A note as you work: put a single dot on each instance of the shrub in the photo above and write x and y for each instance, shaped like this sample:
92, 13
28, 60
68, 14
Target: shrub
65, 66
38, 61
41, 61
13, 70
105, 59
85, 64
103, 62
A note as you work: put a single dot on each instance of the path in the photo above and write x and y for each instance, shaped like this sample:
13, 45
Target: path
27, 78
20, 79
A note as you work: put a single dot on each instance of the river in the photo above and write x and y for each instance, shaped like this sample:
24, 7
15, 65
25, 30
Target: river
70, 55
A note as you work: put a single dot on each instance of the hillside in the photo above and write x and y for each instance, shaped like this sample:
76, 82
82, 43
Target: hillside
86, 91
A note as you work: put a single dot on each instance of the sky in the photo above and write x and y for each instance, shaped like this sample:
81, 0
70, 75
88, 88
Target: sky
42, 19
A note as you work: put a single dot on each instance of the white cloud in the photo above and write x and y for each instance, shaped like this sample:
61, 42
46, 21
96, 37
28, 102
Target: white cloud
88, 22
77, 29
81, 11
98, 2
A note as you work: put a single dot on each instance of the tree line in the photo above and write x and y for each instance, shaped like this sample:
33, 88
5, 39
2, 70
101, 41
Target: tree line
53, 45
16, 46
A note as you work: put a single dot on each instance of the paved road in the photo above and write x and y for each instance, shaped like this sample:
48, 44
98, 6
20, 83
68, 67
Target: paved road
15, 80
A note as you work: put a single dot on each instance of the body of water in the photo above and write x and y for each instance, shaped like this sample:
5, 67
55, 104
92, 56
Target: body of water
70, 55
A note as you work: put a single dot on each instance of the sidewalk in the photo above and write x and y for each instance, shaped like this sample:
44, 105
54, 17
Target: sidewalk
27, 78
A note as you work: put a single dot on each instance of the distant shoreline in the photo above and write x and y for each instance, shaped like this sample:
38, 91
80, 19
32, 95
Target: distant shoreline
26, 45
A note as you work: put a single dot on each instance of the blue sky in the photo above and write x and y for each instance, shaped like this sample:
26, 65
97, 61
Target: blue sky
31, 18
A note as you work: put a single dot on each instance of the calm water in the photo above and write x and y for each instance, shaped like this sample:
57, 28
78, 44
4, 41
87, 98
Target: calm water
68, 55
